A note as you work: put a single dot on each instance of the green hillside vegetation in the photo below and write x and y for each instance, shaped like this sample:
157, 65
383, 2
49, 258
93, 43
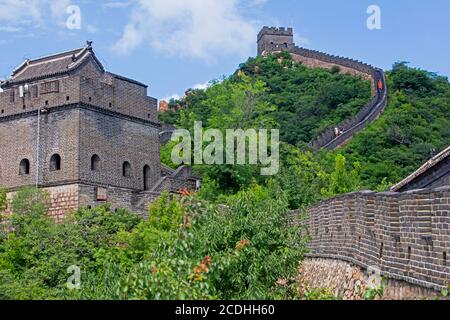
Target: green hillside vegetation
236, 238
414, 128
302, 102
305, 101
188, 249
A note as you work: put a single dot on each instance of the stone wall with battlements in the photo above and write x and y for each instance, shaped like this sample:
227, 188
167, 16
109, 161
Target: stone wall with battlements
404, 235
272, 40
270, 37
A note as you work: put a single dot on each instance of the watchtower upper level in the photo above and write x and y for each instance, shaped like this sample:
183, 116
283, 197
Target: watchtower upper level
74, 76
270, 37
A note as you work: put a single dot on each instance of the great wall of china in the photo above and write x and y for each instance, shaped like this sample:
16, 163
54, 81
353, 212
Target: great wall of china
272, 40
404, 236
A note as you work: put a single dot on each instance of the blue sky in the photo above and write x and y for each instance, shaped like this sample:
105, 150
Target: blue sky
173, 45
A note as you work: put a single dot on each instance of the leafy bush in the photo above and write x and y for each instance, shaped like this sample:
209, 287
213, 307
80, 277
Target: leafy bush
36, 253
187, 249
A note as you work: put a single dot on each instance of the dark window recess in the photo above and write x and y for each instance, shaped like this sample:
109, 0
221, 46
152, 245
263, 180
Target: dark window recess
50, 87
55, 162
67, 98
409, 253
12, 96
3, 111
146, 178
24, 167
110, 105
126, 170
34, 91
95, 163
381, 250
46, 102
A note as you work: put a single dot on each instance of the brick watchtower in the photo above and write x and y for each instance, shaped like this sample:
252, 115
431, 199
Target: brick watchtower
272, 39
67, 123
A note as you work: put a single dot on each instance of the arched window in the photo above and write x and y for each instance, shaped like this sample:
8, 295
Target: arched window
146, 178
95, 163
55, 162
24, 167
126, 169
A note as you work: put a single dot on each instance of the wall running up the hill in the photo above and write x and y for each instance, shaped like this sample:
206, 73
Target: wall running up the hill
367, 114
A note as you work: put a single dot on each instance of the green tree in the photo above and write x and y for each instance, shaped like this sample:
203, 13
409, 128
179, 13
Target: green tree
343, 180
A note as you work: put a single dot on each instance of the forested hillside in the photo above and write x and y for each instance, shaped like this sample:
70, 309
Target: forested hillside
414, 128
302, 102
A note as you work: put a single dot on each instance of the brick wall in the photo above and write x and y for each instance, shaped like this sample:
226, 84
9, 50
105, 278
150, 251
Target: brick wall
76, 133
63, 199
68, 198
69, 92
405, 235
279, 37
315, 63
117, 141
89, 85
18, 141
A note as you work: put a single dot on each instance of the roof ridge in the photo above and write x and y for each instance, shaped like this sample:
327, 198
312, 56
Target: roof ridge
53, 64
31, 61
423, 168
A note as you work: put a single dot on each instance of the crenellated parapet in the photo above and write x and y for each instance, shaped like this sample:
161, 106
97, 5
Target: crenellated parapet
406, 236
272, 40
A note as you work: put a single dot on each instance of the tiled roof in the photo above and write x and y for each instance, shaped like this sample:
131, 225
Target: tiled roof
427, 166
52, 65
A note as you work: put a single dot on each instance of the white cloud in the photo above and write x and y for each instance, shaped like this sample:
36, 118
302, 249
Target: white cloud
59, 8
16, 10
199, 86
194, 28
301, 41
11, 29
173, 96
116, 4
254, 3
19, 11
27, 16
91, 28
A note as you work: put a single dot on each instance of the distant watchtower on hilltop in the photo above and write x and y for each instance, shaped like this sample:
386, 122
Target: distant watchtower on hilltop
270, 38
